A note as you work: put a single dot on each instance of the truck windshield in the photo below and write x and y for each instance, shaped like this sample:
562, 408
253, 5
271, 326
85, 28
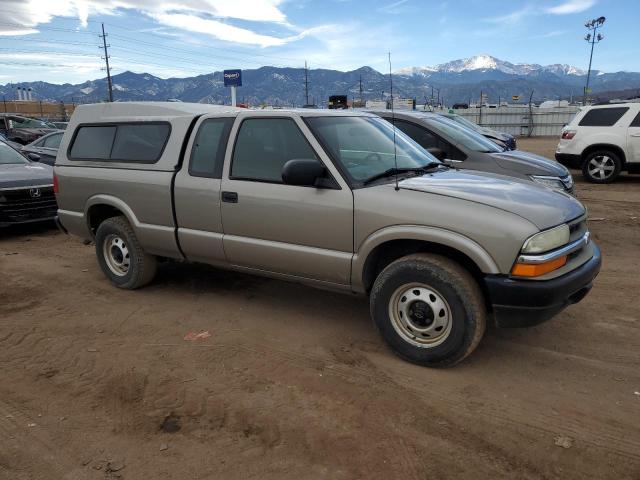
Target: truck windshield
8, 155
364, 146
464, 136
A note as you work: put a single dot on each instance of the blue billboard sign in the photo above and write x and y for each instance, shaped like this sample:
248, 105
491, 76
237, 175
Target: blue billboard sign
232, 78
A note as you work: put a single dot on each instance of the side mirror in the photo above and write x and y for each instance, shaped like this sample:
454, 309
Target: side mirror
33, 156
303, 172
438, 153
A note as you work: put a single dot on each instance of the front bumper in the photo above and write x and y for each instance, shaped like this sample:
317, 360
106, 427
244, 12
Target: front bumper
524, 303
569, 160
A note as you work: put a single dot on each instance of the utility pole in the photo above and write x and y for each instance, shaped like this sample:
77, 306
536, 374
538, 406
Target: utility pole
106, 59
592, 39
360, 88
306, 83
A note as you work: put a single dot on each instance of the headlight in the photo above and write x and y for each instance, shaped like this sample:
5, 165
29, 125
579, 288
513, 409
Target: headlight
568, 181
551, 182
547, 240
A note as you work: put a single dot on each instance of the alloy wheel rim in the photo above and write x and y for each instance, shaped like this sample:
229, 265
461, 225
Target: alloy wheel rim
601, 167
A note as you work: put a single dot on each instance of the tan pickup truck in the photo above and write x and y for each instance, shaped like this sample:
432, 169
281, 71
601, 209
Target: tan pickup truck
332, 199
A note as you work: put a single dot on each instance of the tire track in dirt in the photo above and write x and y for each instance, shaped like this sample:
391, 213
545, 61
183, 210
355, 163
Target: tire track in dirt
79, 371
34, 450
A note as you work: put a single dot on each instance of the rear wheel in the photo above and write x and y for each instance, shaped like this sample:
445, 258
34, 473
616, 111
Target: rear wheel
602, 166
429, 309
121, 256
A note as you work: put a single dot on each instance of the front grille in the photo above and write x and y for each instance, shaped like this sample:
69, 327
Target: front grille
25, 204
577, 229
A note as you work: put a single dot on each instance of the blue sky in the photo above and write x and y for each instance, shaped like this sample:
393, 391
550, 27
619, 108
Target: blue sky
57, 41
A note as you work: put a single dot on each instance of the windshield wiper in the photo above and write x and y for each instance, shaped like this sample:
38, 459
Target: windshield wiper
397, 171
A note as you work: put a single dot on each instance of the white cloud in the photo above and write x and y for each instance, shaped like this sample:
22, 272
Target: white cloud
21, 17
396, 7
513, 18
572, 6
222, 31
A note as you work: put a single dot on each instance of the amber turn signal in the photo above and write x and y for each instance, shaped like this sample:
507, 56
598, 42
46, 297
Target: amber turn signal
537, 269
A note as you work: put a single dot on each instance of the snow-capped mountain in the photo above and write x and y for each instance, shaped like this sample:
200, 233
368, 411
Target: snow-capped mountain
487, 62
456, 81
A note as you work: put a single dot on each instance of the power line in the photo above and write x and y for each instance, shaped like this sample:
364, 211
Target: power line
48, 52
226, 49
51, 40
189, 52
52, 29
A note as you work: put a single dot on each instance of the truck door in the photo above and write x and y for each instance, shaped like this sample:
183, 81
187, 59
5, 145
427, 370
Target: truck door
197, 191
292, 230
633, 140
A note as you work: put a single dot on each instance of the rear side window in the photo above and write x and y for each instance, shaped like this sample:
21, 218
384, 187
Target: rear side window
264, 145
52, 141
140, 143
636, 121
207, 155
602, 117
93, 143
136, 143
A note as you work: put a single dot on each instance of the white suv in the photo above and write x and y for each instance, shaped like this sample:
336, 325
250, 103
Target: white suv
602, 140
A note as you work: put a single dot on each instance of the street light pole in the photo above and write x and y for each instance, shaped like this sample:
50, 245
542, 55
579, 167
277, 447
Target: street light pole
592, 39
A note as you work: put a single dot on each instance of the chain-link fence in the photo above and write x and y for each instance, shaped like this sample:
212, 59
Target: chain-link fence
521, 120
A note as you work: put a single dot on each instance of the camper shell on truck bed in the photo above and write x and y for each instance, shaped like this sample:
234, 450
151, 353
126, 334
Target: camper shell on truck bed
333, 199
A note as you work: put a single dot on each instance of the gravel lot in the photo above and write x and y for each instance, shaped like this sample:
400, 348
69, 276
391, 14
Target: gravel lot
294, 383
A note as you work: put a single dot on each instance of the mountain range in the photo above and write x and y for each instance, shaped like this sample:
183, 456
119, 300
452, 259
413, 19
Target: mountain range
457, 81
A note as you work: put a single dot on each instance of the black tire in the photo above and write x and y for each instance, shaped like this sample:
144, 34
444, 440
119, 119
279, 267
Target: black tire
608, 159
141, 267
466, 308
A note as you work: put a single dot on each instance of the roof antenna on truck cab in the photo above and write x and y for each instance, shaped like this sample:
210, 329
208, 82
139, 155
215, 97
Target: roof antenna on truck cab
393, 123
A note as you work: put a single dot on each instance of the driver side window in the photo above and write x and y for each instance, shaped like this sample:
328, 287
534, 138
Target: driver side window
428, 140
264, 145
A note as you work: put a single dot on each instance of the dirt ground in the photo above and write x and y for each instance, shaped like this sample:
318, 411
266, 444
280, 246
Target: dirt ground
294, 383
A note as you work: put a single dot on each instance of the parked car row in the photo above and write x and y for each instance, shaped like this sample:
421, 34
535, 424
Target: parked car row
23, 130
26, 189
338, 199
459, 146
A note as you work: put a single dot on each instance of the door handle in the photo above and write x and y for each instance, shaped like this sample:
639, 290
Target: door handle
230, 197
635, 134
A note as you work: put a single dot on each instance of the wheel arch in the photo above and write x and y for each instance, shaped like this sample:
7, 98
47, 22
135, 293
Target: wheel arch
101, 207
387, 245
605, 146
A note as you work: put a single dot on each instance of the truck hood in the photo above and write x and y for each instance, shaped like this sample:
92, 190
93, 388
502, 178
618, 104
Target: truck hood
529, 163
24, 175
543, 207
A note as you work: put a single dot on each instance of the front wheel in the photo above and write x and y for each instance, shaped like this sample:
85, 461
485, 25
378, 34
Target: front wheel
428, 309
121, 256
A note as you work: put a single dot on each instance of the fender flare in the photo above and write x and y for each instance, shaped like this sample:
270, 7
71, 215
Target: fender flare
448, 238
115, 202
